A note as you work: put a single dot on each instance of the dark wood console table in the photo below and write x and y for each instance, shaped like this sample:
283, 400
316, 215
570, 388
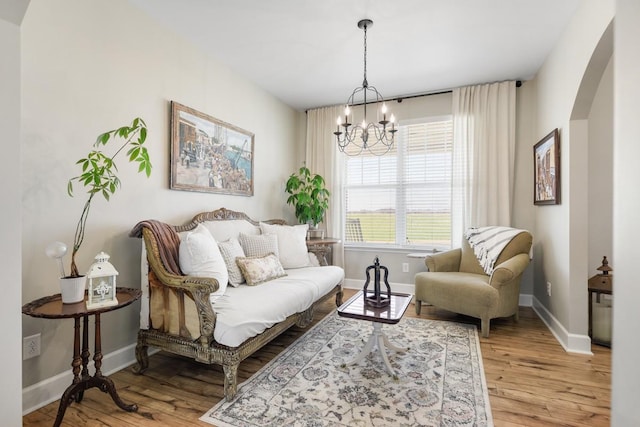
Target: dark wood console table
51, 307
321, 247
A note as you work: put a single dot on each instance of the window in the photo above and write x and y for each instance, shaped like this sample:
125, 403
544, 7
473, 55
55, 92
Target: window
403, 199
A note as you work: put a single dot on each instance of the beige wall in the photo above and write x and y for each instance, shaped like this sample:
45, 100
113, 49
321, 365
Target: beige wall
561, 231
89, 66
10, 303
600, 169
626, 205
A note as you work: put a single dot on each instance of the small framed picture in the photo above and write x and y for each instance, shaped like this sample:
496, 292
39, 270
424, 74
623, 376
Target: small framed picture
546, 170
208, 154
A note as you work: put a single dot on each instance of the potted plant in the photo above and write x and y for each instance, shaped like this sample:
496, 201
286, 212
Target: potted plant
99, 177
308, 195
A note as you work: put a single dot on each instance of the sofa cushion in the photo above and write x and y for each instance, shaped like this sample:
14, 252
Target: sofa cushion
200, 256
230, 250
260, 269
292, 245
260, 245
246, 311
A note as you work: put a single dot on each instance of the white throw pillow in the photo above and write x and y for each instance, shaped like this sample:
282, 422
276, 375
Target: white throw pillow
259, 245
199, 256
292, 244
231, 250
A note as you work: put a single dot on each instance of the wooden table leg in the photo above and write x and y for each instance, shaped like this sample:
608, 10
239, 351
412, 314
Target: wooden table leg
85, 355
97, 353
77, 386
104, 383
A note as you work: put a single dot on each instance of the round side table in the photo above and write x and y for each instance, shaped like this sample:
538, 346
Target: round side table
51, 307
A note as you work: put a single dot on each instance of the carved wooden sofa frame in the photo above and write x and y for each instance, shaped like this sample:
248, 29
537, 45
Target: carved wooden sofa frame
204, 348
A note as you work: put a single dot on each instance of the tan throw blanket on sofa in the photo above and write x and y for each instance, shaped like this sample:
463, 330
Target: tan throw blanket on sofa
168, 239
488, 243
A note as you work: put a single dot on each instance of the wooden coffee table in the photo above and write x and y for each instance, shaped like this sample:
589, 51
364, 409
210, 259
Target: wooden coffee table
356, 308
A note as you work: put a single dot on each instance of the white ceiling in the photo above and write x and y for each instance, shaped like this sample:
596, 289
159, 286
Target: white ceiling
309, 53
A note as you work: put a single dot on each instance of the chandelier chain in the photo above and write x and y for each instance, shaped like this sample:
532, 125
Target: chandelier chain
365, 83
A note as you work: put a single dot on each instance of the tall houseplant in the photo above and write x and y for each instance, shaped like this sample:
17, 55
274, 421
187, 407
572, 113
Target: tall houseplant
98, 174
308, 195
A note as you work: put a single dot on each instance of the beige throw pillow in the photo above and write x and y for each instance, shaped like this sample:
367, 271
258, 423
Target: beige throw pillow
258, 270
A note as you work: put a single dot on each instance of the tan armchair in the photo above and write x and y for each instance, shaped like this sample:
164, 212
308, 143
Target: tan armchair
456, 281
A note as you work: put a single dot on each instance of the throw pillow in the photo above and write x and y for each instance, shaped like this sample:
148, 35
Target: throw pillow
258, 270
259, 244
292, 245
199, 256
230, 250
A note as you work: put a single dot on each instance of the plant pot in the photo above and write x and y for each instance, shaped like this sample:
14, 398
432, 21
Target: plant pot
72, 289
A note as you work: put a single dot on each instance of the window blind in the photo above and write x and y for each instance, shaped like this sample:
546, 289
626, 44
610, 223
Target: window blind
403, 198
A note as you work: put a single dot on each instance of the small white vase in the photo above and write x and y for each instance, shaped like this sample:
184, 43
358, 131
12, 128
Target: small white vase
72, 289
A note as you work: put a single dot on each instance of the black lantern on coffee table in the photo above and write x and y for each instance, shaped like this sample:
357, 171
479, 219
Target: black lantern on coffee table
378, 299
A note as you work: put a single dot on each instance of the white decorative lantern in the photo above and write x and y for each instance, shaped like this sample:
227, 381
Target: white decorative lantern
101, 283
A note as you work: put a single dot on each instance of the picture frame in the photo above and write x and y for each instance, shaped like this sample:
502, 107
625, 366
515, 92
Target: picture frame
208, 154
546, 170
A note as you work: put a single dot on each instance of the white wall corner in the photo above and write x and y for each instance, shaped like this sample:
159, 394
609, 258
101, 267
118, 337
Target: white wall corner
525, 300
572, 343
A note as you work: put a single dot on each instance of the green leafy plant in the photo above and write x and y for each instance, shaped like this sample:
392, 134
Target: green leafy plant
308, 196
99, 172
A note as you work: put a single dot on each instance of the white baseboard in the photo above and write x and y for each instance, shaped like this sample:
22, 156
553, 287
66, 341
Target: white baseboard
49, 390
572, 343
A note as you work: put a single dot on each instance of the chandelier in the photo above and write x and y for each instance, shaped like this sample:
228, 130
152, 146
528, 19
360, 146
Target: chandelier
376, 136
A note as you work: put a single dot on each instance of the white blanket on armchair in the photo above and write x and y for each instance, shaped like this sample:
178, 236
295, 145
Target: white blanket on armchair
488, 243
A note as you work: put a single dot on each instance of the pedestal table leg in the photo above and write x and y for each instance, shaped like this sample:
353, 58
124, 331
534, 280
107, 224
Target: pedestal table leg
73, 391
104, 383
380, 340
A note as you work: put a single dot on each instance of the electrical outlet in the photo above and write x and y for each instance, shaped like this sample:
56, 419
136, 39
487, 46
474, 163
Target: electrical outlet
405, 267
549, 288
30, 346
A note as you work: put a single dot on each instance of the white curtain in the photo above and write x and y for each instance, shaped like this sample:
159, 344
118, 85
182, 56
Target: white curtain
483, 156
322, 157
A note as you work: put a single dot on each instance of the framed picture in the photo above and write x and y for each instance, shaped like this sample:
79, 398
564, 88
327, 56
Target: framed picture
546, 170
208, 154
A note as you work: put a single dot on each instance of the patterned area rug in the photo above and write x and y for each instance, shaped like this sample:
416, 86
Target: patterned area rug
440, 380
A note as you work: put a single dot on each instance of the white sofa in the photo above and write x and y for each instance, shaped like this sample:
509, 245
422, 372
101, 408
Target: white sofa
215, 323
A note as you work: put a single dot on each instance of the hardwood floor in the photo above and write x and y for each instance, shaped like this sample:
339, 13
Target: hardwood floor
532, 381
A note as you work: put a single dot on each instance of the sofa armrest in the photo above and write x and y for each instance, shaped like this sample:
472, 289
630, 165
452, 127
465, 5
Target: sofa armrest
444, 261
198, 289
509, 270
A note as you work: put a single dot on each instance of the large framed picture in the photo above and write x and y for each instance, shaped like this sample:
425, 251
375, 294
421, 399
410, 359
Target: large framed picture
208, 154
546, 170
